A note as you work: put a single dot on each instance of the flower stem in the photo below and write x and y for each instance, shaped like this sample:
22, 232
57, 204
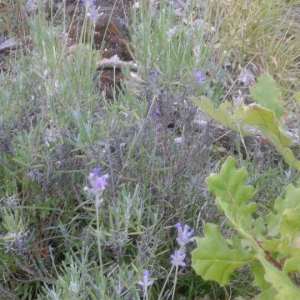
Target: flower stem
99, 246
175, 282
167, 279
145, 293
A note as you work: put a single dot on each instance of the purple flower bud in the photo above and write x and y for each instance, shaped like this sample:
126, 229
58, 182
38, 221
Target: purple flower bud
170, 32
177, 259
88, 2
144, 281
154, 72
199, 76
96, 171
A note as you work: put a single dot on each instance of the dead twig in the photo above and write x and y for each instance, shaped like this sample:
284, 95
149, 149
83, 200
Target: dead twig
116, 64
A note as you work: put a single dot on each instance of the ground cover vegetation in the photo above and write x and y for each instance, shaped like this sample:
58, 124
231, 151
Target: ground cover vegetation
126, 129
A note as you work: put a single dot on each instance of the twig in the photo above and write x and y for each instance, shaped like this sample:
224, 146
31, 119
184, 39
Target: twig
112, 64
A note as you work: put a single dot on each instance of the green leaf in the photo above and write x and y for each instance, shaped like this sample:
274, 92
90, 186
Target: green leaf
289, 225
271, 245
289, 247
267, 294
265, 120
291, 201
284, 224
292, 265
259, 228
216, 259
280, 281
255, 115
267, 94
232, 195
259, 275
220, 114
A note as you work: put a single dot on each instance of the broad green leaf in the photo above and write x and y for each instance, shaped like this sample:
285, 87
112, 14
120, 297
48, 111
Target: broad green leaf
259, 275
284, 224
285, 246
280, 282
271, 245
255, 115
264, 119
215, 258
266, 122
259, 228
291, 201
292, 265
220, 114
266, 94
289, 225
287, 153
289, 247
267, 294
232, 195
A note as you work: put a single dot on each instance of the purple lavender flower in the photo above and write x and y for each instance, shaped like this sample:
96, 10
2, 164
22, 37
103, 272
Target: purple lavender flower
170, 32
155, 112
177, 259
144, 281
96, 171
93, 13
98, 184
199, 76
185, 234
154, 72
88, 2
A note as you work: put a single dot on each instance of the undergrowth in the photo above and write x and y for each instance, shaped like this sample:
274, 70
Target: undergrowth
57, 242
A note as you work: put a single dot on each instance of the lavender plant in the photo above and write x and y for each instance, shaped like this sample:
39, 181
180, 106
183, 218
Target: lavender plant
144, 282
185, 236
63, 241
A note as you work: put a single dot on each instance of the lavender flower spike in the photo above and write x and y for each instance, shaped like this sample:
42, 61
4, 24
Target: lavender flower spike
154, 72
88, 2
177, 259
144, 281
199, 76
98, 183
185, 234
93, 13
